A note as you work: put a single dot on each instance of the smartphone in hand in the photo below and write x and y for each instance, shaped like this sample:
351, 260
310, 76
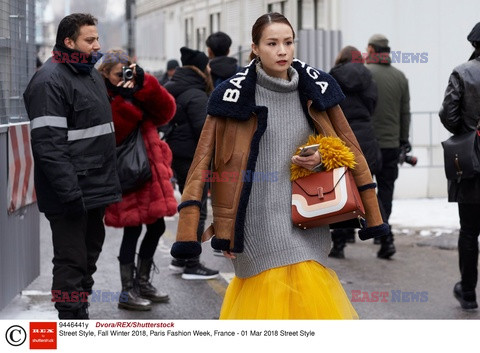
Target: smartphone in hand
308, 150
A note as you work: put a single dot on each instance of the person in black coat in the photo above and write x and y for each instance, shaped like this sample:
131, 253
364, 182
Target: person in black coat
361, 97
460, 113
73, 145
191, 86
221, 66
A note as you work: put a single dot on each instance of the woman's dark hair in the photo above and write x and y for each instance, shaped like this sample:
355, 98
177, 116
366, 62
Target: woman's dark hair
349, 54
262, 22
69, 26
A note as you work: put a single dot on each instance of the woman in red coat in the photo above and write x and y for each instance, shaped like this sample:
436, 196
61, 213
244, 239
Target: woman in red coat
140, 100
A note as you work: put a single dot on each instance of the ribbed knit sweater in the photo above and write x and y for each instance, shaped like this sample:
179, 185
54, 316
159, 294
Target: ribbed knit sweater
271, 240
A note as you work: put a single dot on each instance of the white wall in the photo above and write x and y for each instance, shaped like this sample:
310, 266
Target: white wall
438, 27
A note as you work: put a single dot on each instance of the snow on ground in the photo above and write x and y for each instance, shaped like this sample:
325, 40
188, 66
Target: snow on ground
424, 213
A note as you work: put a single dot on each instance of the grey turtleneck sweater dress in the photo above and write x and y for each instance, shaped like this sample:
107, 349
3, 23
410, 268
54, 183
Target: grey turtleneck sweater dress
271, 240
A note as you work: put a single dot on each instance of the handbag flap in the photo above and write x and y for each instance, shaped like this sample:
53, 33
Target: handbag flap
324, 179
462, 156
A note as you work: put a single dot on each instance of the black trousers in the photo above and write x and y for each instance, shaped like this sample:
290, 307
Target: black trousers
468, 244
77, 244
149, 243
386, 179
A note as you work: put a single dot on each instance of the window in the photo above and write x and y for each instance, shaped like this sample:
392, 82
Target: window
189, 32
201, 37
299, 14
278, 6
214, 22
312, 14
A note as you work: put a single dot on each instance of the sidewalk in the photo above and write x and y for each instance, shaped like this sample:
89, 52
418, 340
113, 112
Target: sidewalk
426, 232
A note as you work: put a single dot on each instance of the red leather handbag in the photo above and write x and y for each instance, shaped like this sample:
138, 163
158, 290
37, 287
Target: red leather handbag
326, 197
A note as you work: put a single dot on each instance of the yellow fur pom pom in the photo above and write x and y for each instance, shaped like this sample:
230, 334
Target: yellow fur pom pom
334, 154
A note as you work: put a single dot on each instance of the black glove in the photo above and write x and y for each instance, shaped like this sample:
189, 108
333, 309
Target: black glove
405, 145
74, 209
139, 78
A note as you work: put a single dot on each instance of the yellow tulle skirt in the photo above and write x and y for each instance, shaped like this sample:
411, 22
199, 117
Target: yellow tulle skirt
302, 291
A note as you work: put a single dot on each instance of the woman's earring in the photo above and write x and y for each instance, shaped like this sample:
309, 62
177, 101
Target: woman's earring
257, 59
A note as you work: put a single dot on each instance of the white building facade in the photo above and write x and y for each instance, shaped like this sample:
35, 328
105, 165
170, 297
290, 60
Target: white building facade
434, 30
163, 26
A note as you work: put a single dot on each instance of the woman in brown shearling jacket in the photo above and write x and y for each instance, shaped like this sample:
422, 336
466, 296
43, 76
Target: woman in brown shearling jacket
255, 122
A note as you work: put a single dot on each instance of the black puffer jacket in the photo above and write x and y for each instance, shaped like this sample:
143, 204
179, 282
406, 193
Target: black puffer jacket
188, 88
460, 112
361, 97
221, 68
73, 139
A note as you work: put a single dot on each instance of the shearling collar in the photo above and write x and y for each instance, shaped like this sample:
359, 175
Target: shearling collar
235, 98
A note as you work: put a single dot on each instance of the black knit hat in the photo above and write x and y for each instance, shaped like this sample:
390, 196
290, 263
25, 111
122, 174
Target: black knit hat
193, 57
172, 64
474, 35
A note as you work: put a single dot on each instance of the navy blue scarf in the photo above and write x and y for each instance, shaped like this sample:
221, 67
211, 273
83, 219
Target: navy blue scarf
82, 62
235, 97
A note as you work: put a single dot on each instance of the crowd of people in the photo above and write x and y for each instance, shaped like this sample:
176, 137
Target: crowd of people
214, 115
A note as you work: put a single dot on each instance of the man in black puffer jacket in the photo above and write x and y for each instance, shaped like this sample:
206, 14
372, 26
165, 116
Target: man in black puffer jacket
190, 86
358, 106
222, 66
460, 112
73, 144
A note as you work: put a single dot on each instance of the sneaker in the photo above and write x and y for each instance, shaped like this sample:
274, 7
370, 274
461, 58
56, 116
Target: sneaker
467, 299
199, 272
177, 266
217, 252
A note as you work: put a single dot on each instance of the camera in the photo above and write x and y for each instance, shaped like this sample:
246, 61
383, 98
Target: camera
403, 157
127, 73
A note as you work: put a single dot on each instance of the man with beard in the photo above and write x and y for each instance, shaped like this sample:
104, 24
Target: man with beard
73, 144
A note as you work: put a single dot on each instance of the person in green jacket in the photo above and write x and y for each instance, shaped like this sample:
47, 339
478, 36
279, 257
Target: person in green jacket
391, 124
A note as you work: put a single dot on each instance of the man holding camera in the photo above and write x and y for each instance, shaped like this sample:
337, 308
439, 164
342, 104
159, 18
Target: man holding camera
391, 124
73, 144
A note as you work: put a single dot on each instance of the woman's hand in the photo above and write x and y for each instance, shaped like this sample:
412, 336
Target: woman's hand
129, 83
308, 162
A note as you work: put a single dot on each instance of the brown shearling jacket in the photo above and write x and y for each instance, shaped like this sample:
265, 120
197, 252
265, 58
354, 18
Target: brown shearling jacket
228, 145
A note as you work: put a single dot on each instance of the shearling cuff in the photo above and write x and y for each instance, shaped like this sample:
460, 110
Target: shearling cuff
220, 244
373, 232
186, 249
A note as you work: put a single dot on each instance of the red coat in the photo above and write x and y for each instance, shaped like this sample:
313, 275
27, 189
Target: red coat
155, 107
